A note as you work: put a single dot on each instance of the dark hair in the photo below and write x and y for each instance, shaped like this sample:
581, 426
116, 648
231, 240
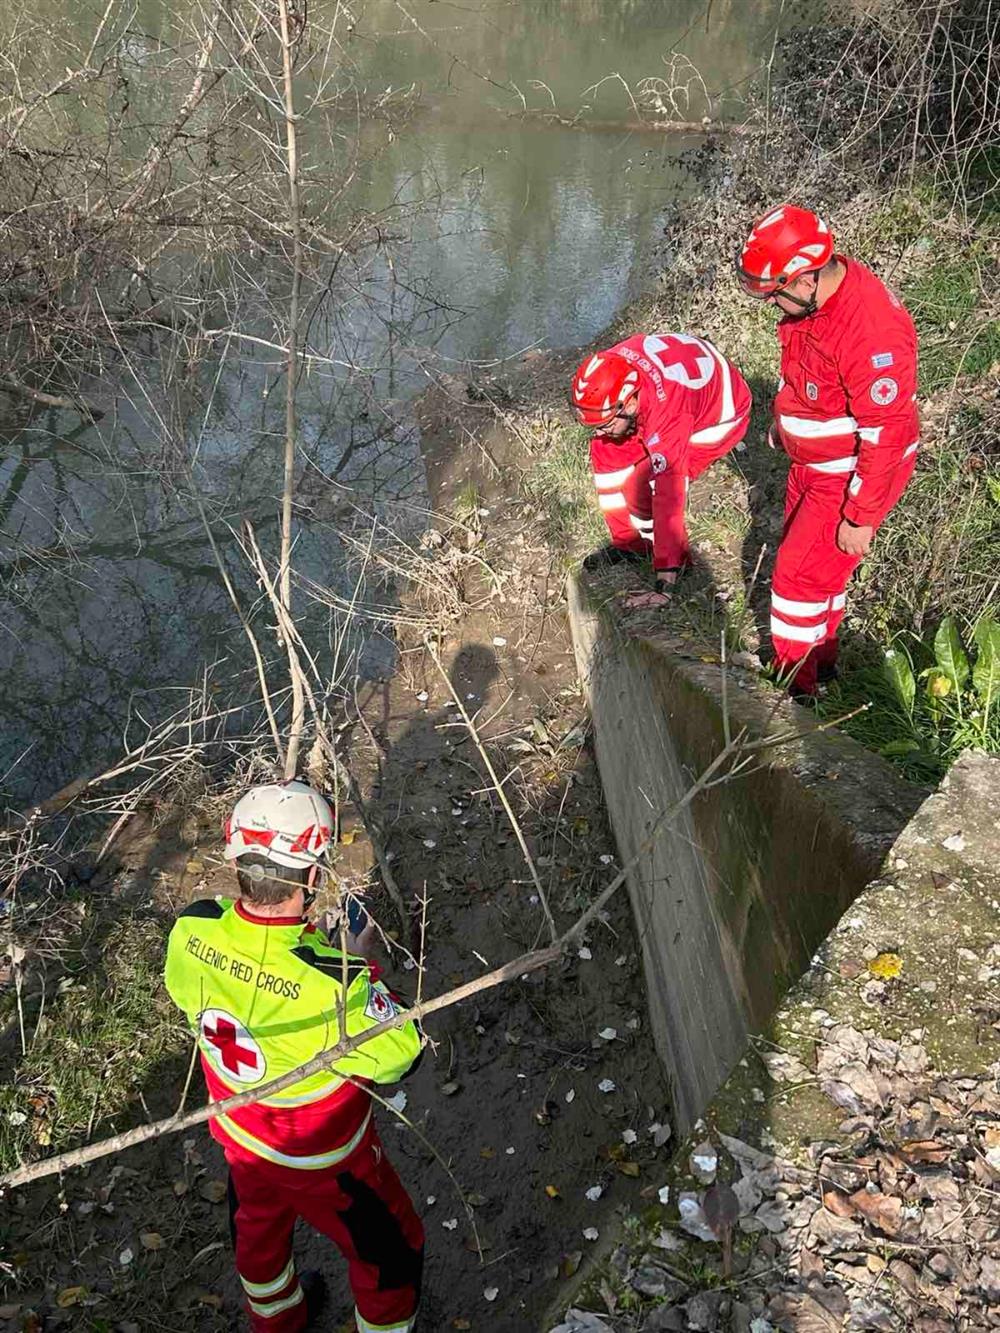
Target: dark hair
264, 883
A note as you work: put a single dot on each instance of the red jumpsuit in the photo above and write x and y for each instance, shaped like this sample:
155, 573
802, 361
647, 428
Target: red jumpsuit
694, 406
846, 415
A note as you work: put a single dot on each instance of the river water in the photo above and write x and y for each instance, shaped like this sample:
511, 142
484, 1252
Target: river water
523, 205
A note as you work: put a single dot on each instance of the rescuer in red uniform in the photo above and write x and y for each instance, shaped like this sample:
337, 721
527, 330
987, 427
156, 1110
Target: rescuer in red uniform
662, 408
846, 415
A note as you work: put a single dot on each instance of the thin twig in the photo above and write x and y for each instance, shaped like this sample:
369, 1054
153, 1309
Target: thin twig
498, 786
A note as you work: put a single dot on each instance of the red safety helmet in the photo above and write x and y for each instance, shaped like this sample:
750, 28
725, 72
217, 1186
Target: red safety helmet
783, 245
601, 386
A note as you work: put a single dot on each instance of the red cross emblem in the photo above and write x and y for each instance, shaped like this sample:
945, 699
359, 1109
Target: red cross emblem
231, 1047
681, 358
884, 391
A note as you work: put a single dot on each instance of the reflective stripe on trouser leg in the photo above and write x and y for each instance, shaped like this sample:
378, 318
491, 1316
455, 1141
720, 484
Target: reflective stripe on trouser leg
263, 1217
367, 1213
366, 1326
271, 1309
260, 1290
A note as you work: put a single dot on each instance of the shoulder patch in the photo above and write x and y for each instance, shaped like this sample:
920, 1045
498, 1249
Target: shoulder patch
380, 1005
882, 360
203, 907
659, 464
884, 391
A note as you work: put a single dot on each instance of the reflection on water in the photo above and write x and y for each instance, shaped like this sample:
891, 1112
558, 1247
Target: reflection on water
502, 233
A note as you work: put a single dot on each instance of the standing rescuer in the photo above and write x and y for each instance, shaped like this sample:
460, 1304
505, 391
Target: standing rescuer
661, 409
846, 415
265, 991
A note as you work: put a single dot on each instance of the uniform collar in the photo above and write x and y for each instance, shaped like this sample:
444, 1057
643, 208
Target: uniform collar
256, 920
830, 305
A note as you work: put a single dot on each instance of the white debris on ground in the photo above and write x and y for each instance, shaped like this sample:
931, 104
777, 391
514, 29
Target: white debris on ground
894, 1225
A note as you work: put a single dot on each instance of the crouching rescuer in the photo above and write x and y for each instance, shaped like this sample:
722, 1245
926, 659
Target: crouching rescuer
846, 415
661, 408
265, 991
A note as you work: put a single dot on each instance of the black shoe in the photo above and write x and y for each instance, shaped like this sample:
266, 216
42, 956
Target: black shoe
313, 1285
608, 556
826, 673
802, 697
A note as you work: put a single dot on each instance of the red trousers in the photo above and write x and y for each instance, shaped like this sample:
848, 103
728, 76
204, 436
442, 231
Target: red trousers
631, 522
363, 1208
811, 572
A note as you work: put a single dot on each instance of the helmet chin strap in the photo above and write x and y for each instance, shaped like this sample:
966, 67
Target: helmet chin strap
806, 308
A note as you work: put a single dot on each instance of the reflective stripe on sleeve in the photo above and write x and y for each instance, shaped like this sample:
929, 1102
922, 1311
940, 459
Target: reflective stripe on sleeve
315, 1162
611, 502
870, 434
797, 633
811, 428
839, 602
791, 608
268, 1309
610, 481
270, 1288
643, 525
911, 449
855, 486
836, 464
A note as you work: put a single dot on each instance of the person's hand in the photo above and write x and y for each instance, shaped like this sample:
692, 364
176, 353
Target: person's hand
854, 540
363, 944
637, 601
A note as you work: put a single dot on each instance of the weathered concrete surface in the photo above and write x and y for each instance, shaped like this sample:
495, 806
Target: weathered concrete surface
738, 892
936, 906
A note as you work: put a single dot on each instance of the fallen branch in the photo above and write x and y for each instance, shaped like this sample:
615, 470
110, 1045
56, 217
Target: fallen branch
521, 966
517, 967
89, 411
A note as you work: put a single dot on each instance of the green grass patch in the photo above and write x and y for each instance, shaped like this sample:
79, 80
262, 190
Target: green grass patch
946, 300
560, 480
93, 1047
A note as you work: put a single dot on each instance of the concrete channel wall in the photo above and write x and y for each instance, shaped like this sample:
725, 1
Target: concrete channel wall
740, 889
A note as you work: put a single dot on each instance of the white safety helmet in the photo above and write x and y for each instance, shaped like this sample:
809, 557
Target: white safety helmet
288, 822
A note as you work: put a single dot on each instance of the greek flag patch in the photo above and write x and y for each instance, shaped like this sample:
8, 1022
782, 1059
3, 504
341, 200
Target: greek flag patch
881, 360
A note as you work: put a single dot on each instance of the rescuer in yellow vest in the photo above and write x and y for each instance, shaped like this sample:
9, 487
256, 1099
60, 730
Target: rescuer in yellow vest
264, 990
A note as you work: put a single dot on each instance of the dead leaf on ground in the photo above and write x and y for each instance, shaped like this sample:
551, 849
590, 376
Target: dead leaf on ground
839, 1204
925, 1150
570, 1263
810, 1264
213, 1191
881, 1210
151, 1240
721, 1207
70, 1296
800, 1312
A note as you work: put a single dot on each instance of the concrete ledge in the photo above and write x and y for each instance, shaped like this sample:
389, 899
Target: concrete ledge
739, 893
